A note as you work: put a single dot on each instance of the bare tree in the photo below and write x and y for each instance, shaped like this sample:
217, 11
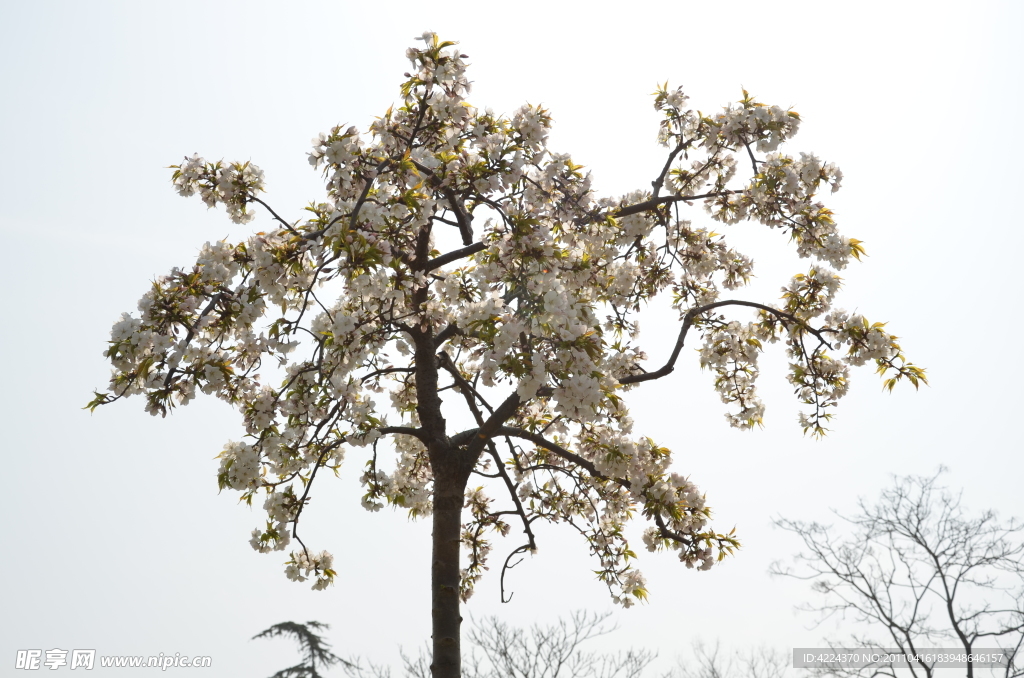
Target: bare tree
552, 651
710, 662
918, 571
498, 650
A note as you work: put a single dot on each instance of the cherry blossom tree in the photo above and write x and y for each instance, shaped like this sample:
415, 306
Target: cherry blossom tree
461, 305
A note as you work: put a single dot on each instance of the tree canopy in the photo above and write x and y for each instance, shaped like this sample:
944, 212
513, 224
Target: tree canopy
463, 301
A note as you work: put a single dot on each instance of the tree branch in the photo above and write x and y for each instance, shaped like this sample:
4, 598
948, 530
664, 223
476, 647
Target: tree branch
490, 428
654, 203
541, 441
669, 366
404, 430
274, 214
464, 218
454, 255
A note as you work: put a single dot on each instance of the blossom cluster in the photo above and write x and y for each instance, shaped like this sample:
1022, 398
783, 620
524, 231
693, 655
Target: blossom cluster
351, 328
233, 185
303, 565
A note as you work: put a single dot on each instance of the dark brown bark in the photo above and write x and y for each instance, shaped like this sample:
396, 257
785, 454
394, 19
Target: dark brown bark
451, 467
445, 577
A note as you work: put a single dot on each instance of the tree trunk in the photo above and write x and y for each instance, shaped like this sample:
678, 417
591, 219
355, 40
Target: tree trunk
445, 577
450, 467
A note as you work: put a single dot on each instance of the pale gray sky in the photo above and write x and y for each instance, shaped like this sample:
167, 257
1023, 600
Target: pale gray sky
117, 539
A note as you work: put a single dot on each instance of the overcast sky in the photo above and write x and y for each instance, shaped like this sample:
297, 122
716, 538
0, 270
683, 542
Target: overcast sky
117, 539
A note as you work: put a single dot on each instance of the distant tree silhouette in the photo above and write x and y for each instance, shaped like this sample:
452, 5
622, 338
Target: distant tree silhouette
919, 571
315, 650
